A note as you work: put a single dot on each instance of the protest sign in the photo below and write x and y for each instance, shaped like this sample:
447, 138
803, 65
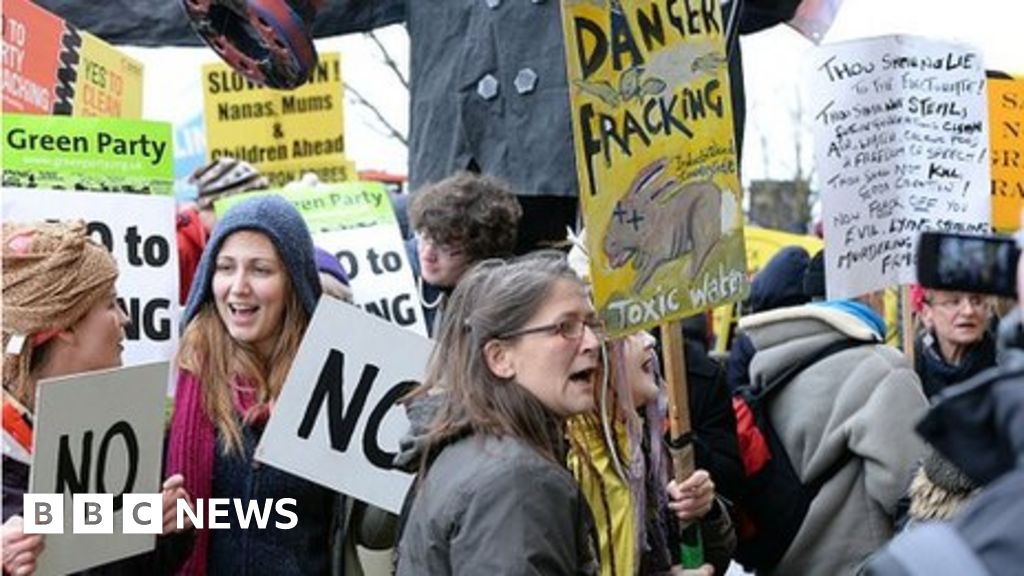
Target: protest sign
100, 154
656, 160
1006, 114
283, 132
98, 433
52, 67
355, 222
139, 232
336, 421
334, 168
901, 143
763, 243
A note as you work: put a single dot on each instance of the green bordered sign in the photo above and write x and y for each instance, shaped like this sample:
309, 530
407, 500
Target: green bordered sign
97, 154
332, 206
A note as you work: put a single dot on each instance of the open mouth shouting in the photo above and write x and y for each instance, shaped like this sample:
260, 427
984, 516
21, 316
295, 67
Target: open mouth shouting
585, 377
243, 313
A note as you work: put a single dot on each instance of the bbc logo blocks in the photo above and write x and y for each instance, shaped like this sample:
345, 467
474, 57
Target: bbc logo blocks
93, 514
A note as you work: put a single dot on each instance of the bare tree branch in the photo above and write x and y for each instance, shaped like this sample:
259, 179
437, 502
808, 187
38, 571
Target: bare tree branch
394, 133
388, 60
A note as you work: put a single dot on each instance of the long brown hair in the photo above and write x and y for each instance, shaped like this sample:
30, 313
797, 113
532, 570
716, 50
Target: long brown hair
495, 297
220, 362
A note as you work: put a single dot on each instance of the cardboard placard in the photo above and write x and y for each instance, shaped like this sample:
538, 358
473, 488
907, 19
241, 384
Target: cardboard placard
336, 421
100, 432
653, 127
901, 144
139, 232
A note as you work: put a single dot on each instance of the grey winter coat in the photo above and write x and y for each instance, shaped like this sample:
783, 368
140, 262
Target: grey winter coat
497, 507
864, 401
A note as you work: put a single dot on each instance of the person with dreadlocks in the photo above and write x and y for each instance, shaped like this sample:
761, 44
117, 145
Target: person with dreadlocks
60, 317
619, 458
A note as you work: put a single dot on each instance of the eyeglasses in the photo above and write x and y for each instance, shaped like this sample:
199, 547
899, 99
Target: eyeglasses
444, 250
570, 329
956, 303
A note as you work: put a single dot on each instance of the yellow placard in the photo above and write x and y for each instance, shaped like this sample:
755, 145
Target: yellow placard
327, 168
109, 82
270, 127
764, 243
1006, 132
653, 127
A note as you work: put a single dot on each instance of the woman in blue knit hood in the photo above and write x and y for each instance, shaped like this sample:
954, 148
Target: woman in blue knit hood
254, 292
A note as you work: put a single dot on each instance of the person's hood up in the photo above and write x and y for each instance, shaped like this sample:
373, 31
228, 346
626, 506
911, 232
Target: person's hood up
780, 282
281, 222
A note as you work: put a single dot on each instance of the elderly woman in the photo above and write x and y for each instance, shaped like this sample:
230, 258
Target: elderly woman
955, 343
61, 317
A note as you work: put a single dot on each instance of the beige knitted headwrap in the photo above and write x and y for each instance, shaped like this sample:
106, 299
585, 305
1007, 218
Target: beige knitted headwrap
53, 273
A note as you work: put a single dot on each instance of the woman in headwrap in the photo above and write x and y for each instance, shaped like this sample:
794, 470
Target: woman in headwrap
60, 317
254, 293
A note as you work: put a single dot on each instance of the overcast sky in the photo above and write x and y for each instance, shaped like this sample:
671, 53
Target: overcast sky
772, 62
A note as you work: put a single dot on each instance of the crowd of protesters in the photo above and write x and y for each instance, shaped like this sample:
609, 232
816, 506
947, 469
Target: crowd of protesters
538, 444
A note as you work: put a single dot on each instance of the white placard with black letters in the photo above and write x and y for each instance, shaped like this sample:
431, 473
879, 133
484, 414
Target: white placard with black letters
139, 231
100, 432
337, 421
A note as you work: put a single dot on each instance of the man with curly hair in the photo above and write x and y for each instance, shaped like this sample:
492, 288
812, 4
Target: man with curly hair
458, 221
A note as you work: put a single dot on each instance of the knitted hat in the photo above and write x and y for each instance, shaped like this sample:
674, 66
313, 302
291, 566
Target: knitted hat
280, 221
814, 277
53, 274
328, 264
224, 177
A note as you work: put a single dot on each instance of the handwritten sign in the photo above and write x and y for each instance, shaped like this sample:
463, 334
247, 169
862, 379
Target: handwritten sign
52, 67
1006, 113
901, 142
337, 421
653, 128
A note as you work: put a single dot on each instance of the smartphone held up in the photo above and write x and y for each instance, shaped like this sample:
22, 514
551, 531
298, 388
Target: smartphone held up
965, 263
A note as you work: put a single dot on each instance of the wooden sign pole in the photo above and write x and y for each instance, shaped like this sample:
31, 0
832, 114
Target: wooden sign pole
680, 443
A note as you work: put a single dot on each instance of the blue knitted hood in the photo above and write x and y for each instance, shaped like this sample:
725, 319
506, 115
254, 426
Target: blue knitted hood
280, 221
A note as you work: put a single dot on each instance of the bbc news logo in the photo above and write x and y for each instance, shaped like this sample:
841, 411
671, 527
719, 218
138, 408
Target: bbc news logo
143, 513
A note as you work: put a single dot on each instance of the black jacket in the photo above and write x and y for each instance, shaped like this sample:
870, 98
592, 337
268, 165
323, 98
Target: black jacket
979, 426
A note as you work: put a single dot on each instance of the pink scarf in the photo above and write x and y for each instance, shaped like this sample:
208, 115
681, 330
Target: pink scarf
192, 449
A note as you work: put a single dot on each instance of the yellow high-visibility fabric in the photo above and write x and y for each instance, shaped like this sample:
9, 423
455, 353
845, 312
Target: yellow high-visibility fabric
608, 496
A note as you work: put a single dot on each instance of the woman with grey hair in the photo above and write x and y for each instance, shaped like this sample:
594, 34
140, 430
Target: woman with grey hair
518, 353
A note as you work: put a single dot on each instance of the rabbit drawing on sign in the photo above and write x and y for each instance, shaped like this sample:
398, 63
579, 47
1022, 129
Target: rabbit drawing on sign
659, 220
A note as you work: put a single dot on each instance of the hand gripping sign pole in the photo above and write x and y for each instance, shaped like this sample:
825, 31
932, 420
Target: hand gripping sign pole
681, 437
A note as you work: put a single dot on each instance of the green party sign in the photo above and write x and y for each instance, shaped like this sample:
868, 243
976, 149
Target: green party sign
330, 207
98, 154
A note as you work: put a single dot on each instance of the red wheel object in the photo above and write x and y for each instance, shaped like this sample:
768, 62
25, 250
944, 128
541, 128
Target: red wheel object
268, 41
